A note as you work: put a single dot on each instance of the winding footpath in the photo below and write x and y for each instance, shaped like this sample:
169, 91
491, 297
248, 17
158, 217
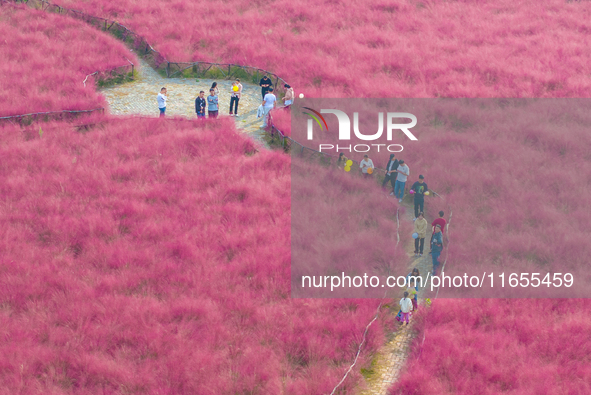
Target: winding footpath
389, 362
139, 98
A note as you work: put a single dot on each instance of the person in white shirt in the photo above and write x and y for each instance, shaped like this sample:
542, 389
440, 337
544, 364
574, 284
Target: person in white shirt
268, 105
162, 101
365, 165
405, 308
403, 172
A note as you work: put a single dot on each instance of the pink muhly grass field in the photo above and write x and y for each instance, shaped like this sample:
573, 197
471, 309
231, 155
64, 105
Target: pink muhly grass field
45, 59
378, 48
148, 256
488, 347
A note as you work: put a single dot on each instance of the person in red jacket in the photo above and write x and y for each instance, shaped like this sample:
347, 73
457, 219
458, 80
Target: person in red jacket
441, 222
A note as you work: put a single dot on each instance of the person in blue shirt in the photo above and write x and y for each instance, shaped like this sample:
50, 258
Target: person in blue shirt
212, 104
436, 247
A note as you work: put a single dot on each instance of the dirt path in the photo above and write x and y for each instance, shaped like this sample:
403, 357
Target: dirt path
389, 362
139, 98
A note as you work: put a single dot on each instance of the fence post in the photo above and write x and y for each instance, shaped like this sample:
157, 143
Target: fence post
168, 69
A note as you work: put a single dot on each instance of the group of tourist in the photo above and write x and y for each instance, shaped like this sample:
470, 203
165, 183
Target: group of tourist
211, 102
397, 173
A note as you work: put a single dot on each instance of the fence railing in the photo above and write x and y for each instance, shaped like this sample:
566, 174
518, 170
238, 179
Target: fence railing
27, 119
158, 61
154, 58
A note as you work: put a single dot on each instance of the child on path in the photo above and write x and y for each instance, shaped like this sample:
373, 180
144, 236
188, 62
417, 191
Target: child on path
405, 308
162, 101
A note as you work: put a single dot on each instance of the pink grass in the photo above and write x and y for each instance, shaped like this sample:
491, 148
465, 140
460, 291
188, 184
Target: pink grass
149, 257
45, 59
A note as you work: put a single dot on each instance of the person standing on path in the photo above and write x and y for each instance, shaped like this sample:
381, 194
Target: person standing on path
419, 188
415, 275
236, 93
268, 104
365, 165
436, 247
200, 105
214, 86
162, 101
265, 84
403, 172
412, 293
405, 308
289, 95
212, 104
391, 167
441, 222
421, 230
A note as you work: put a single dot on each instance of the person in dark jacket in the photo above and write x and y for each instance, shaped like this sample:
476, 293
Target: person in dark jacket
265, 84
436, 247
200, 105
391, 167
419, 188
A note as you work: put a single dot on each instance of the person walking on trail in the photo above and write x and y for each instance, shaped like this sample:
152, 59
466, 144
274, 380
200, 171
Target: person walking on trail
212, 104
421, 230
391, 167
412, 293
265, 84
235, 95
436, 247
214, 86
366, 164
415, 275
162, 101
268, 104
289, 95
419, 188
200, 105
402, 174
405, 308
441, 222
